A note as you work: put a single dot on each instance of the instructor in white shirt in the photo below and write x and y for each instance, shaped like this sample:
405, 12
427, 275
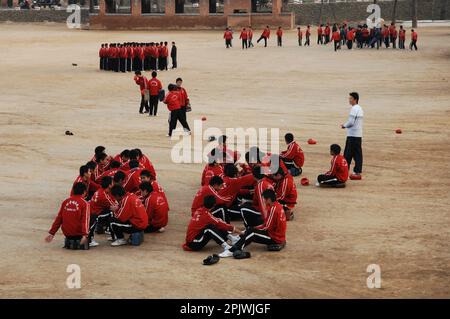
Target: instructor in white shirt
354, 127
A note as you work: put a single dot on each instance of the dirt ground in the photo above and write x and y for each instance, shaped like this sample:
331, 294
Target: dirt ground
396, 217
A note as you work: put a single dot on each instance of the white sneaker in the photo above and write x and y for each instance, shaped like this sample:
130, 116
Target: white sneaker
226, 253
119, 242
161, 230
233, 238
109, 238
167, 135
93, 243
317, 184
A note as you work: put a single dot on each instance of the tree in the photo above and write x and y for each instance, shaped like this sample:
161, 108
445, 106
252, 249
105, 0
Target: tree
414, 13
394, 12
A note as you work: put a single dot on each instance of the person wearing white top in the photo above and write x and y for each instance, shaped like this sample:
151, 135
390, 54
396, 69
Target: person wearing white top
354, 126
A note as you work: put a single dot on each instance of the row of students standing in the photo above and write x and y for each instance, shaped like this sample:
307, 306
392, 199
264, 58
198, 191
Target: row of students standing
131, 56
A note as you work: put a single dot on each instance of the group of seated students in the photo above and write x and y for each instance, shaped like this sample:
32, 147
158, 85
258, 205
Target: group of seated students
120, 194
260, 192
115, 195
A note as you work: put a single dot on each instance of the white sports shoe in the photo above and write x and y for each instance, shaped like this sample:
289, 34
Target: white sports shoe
233, 238
119, 242
226, 253
93, 243
161, 230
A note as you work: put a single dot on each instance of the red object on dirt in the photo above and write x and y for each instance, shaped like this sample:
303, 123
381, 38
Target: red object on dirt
204, 118
304, 181
355, 177
312, 142
398, 131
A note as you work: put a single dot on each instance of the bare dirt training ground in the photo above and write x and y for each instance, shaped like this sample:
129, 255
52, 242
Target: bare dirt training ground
397, 216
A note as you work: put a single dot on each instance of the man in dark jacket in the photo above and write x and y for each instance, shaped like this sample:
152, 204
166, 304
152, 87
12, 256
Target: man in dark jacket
173, 55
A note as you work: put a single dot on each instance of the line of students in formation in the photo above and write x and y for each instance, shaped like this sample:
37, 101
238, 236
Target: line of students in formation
132, 56
120, 194
339, 34
177, 100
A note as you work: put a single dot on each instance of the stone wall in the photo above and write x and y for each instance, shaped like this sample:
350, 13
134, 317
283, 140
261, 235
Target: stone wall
356, 11
43, 15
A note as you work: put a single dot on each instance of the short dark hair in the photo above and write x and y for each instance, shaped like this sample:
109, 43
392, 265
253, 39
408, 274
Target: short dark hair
106, 181
115, 164
138, 151
118, 191
216, 180
133, 164
256, 171
99, 149
125, 153
146, 186
154, 74
137, 73
79, 188
147, 173
171, 87
270, 194
100, 157
335, 148
83, 169
91, 165
133, 154
289, 137
230, 170
178, 79
119, 177
209, 201
355, 95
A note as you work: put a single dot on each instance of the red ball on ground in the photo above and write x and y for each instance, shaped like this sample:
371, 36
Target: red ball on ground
204, 118
312, 141
398, 131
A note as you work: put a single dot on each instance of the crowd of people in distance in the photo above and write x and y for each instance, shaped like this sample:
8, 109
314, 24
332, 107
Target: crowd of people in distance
132, 56
340, 34
176, 99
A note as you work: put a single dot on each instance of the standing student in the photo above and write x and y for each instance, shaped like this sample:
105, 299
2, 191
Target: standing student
394, 35
244, 38
385, 33
123, 58
299, 36
320, 34
280, 37
160, 56
354, 127
165, 52
401, 38
327, 33
308, 35
143, 87
185, 104
250, 36
228, 36
413, 43
147, 57
271, 232
129, 57
338, 173
73, 218
350, 37
173, 55
336, 38
100, 55
264, 36
154, 86
153, 56
172, 100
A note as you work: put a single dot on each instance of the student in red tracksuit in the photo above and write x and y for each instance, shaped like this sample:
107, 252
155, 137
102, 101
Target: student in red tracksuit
143, 87
279, 36
165, 55
144, 161
146, 176
185, 104
320, 34
401, 38
394, 35
123, 157
228, 36
264, 36
114, 167
73, 218
154, 86
133, 179
286, 192
350, 37
213, 168
101, 54
293, 157
392, 32
212, 189
327, 33
336, 37
156, 207
102, 204
299, 36
385, 34
129, 57
272, 232
85, 178
172, 100
414, 37
244, 38
204, 227
250, 36
255, 213
338, 174
308, 35
130, 217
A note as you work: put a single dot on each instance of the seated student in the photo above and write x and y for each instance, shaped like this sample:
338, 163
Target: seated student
131, 216
338, 174
92, 165
134, 155
156, 206
286, 192
85, 178
146, 176
145, 161
113, 169
98, 151
102, 204
232, 185
73, 218
213, 168
133, 179
123, 157
255, 213
102, 163
293, 157
271, 162
230, 156
215, 184
272, 232
204, 226
119, 178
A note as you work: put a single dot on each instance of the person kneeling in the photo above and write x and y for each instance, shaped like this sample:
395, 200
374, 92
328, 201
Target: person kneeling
338, 174
204, 226
130, 217
271, 233
156, 207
